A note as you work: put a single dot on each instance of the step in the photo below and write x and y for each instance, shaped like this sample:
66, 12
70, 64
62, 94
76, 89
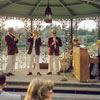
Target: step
67, 89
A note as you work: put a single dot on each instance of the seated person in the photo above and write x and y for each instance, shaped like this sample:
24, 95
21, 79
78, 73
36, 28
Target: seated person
5, 95
98, 45
93, 71
39, 90
76, 42
99, 66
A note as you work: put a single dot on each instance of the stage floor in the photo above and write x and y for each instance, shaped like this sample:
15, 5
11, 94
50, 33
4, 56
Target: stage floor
21, 76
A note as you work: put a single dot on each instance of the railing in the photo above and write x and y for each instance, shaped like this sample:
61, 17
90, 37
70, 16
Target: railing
22, 59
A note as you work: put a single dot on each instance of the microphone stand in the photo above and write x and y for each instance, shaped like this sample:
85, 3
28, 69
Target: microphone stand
64, 68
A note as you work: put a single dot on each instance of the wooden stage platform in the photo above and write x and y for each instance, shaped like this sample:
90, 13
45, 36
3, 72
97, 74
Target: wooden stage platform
20, 82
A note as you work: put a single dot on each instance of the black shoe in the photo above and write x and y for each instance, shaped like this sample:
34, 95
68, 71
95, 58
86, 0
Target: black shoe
92, 77
11, 74
58, 73
61, 71
30, 73
7, 74
49, 73
38, 73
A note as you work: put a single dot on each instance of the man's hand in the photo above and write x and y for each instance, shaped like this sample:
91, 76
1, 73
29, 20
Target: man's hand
56, 41
15, 39
37, 36
53, 43
32, 36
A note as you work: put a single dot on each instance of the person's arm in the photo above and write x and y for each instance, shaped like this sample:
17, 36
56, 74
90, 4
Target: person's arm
49, 43
9, 42
29, 39
15, 40
59, 42
22, 97
39, 41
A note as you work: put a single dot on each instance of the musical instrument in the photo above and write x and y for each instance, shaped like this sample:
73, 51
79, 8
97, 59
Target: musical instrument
54, 39
20, 35
35, 35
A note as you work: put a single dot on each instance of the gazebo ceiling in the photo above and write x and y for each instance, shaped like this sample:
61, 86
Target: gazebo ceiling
60, 8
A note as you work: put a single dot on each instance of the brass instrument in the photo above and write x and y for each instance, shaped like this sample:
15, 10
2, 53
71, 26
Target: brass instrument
20, 35
35, 35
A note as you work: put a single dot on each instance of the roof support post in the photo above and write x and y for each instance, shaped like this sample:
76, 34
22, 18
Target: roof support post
71, 30
31, 24
98, 28
2, 22
1, 51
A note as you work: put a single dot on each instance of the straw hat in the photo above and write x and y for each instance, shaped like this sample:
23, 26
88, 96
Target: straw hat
34, 30
10, 29
75, 39
53, 31
98, 42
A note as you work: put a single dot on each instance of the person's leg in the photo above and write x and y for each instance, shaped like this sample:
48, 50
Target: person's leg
31, 63
9, 62
50, 67
37, 65
13, 63
56, 59
99, 70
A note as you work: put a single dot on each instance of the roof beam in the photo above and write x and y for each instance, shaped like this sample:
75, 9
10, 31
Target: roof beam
93, 4
66, 8
95, 1
44, 5
34, 9
26, 4
73, 4
5, 5
10, 2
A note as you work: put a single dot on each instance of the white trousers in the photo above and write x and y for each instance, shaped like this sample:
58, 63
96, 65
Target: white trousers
10, 63
34, 59
94, 69
53, 59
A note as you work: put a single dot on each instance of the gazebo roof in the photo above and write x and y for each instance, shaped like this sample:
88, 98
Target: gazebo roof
60, 8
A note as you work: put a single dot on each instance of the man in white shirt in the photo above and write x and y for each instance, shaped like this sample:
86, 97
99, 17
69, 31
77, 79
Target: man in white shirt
34, 52
53, 44
6, 95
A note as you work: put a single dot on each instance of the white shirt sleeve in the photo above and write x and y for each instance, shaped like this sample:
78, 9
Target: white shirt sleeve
9, 96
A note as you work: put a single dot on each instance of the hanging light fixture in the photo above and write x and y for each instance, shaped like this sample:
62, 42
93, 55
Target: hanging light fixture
48, 14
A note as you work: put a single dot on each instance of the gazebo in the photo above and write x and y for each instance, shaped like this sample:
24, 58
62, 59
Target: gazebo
62, 10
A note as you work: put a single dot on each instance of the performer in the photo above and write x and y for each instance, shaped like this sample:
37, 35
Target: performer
98, 45
11, 48
34, 51
53, 52
99, 65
